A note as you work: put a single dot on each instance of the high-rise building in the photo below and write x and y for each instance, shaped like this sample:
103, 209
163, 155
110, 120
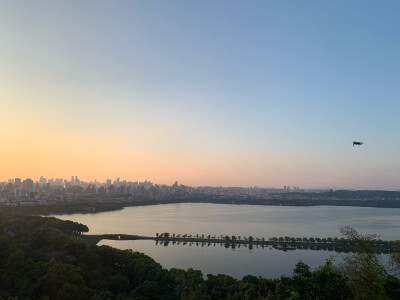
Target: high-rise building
42, 180
18, 183
27, 185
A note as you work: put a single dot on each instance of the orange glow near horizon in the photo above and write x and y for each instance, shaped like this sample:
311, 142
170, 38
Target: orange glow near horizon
239, 100
60, 142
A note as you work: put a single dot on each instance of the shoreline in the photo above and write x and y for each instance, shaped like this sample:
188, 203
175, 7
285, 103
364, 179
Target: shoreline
63, 208
89, 207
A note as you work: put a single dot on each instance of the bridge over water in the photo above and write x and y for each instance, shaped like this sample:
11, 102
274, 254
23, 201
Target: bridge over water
339, 245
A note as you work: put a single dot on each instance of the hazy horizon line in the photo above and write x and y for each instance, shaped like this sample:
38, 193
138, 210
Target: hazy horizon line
206, 185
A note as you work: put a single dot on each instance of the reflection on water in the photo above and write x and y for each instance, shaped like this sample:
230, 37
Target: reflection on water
238, 262
243, 220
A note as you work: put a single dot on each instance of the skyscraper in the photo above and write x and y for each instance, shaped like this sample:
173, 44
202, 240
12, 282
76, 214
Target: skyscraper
42, 180
17, 182
27, 185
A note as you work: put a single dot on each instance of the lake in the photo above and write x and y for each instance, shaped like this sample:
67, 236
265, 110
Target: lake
239, 220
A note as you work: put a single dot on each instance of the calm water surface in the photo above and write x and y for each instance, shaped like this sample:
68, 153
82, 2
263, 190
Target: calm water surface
243, 220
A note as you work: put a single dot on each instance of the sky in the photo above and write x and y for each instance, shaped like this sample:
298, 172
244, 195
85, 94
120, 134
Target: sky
231, 93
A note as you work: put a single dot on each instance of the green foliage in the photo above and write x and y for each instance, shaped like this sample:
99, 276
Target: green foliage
326, 282
46, 258
187, 280
368, 276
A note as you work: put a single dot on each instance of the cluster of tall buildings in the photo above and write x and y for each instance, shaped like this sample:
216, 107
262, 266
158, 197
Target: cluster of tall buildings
286, 188
49, 191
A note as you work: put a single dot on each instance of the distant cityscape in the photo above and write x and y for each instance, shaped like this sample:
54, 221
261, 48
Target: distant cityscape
50, 191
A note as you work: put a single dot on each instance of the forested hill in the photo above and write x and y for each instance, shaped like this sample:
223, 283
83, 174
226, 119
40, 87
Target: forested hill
362, 194
46, 258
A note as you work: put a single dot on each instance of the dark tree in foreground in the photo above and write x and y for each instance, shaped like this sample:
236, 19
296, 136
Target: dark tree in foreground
368, 275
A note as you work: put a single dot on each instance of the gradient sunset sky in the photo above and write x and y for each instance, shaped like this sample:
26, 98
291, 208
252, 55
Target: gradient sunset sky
232, 93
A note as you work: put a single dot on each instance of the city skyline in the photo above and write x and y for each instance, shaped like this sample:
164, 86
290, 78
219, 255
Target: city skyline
209, 94
61, 181
42, 180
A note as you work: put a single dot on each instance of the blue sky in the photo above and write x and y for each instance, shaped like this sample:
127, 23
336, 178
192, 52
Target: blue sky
266, 93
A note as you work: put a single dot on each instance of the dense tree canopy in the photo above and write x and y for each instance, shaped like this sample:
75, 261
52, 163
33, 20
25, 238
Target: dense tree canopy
45, 258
